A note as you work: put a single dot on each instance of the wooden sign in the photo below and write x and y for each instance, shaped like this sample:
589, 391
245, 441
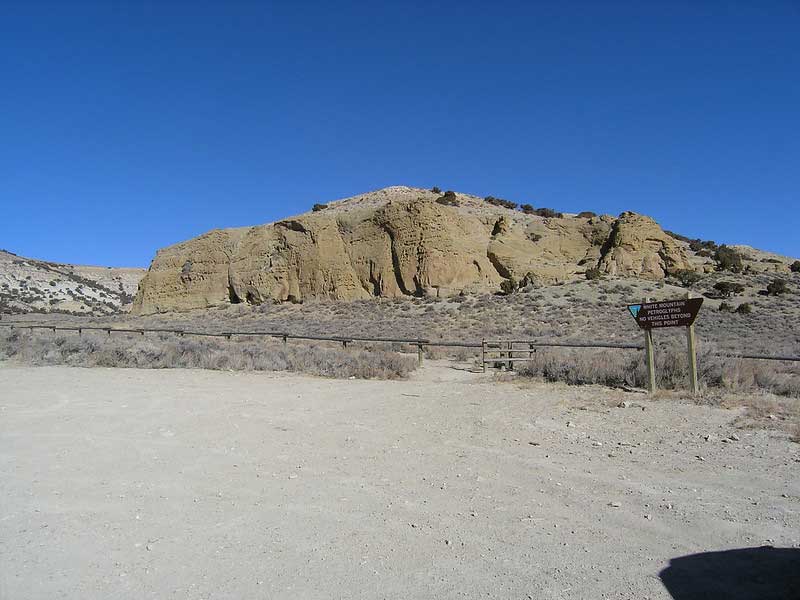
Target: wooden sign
671, 313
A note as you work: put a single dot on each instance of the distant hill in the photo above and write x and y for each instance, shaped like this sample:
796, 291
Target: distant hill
31, 285
403, 241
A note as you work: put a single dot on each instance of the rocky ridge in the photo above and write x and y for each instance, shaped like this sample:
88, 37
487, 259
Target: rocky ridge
400, 241
31, 285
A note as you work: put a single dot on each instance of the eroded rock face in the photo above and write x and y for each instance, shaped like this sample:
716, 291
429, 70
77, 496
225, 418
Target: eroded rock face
399, 242
638, 247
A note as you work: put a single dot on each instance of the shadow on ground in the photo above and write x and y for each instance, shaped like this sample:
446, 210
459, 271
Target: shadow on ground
764, 573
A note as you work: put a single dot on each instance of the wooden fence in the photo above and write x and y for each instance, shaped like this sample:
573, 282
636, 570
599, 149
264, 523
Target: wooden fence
494, 353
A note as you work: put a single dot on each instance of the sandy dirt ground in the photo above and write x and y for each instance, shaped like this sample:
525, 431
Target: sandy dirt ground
122, 483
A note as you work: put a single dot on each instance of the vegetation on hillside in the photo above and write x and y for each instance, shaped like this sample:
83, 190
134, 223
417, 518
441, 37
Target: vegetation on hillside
448, 198
164, 351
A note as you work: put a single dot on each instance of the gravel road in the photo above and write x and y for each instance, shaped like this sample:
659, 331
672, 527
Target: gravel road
123, 483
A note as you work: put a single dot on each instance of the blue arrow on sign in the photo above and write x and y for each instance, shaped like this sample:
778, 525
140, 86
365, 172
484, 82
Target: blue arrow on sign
635, 308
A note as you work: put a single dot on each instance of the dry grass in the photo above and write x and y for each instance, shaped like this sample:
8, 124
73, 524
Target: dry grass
618, 368
584, 366
453, 353
167, 351
764, 410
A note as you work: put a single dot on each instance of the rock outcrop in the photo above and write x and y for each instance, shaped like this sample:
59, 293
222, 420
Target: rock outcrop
638, 247
399, 242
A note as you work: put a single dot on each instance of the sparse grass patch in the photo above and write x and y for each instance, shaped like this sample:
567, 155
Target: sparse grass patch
765, 410
453, 353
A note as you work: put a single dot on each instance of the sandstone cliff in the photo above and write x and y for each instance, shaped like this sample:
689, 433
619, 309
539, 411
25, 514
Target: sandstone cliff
400, 242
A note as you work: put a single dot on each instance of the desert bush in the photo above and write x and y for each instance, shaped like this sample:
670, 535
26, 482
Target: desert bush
534, 237
500, 202
170, 352
436, 190
528, 282
587, 214
448, 198
728, 259
677, 236
509, 286
777, 287
746, 376
548, 213
728, 288
593, 273
582, 367
319, 207
700, 245
527, 209
725, 307
795, 267
687, 277
744, 309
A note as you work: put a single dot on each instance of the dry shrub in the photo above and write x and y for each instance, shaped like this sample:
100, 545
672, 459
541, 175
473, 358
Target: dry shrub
163, 352
762, 409
739, 375
586, 366
617, 368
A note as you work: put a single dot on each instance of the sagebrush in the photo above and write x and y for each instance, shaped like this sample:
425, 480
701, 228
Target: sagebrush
167, 351
619, 368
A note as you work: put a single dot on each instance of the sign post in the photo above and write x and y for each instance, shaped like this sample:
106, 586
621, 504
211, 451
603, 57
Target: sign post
651, 361
671, 313
692, 354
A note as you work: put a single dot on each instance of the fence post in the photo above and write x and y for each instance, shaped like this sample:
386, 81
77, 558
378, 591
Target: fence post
651, 368
483, 355
284, 340
420, 355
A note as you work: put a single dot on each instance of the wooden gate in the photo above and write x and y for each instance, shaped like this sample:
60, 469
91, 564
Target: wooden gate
504, 353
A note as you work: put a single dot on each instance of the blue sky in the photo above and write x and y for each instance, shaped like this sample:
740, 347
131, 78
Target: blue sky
127, 126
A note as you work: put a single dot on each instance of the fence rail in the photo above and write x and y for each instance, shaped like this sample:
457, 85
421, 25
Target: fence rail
482, 345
